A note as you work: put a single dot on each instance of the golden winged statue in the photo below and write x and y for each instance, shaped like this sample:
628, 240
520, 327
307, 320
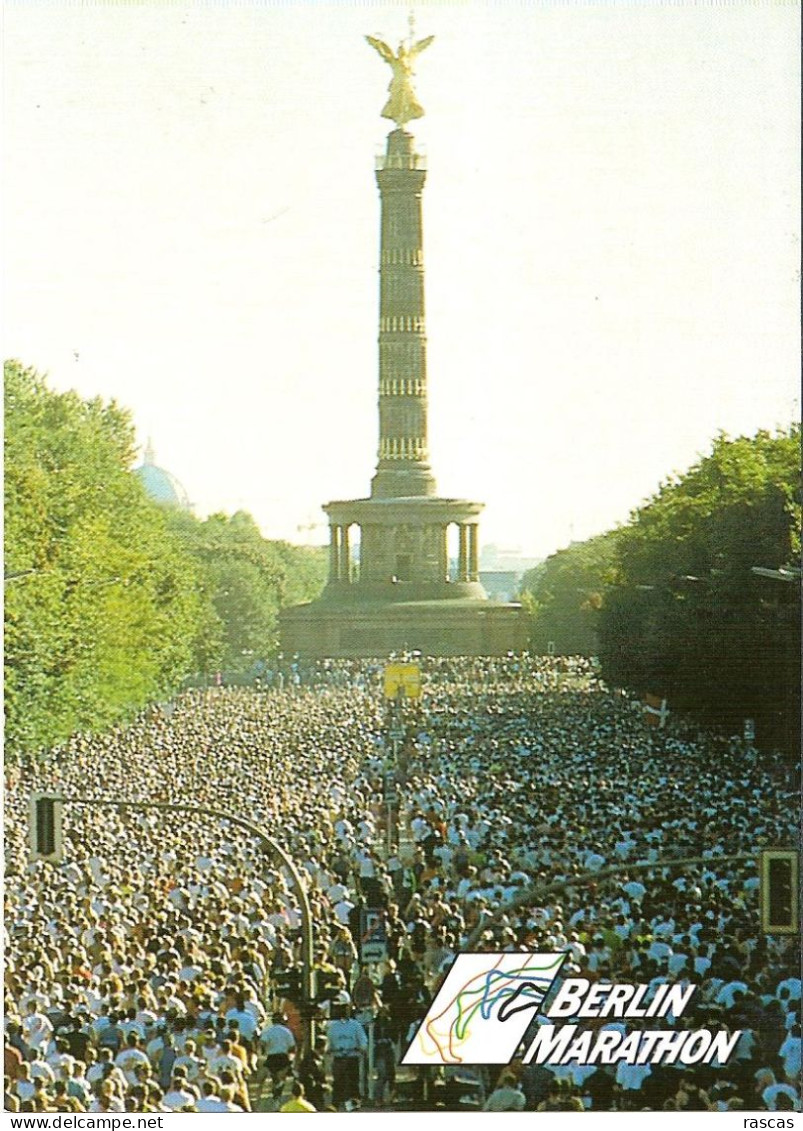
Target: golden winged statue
402, 105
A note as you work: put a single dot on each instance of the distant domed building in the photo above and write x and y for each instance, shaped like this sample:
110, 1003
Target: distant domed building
160, 485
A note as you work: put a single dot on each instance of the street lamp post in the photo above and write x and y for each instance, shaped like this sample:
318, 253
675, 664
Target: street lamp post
275, 851
536, 893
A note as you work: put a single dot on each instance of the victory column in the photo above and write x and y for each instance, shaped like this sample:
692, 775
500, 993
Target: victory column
403, 595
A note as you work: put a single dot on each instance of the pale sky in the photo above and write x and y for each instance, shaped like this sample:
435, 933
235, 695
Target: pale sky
611, 240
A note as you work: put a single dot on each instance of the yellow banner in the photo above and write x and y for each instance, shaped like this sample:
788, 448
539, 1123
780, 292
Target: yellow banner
402, 681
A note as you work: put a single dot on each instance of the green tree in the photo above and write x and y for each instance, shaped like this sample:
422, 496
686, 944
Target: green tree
565, 593
244, 580
688, 617
100, 602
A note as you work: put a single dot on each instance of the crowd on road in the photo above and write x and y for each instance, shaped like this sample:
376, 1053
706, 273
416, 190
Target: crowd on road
158, 966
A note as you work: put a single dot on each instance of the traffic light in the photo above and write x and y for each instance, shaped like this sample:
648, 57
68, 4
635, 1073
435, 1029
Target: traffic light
45, 827
287, 983
780, 891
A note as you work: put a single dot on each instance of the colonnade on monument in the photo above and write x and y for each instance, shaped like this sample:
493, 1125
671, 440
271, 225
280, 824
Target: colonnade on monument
344, 571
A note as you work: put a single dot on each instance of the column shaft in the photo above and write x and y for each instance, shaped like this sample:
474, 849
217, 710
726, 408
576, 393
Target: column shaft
345, 555
443, 554
462, 553
473, 552
334, 550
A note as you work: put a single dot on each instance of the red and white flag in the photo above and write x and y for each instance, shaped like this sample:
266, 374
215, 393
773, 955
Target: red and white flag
655, 711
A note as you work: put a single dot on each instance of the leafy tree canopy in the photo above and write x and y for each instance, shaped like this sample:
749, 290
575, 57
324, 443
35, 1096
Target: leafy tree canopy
100, 602
564, 594
111, 601
245, 580
672, 602
688, 617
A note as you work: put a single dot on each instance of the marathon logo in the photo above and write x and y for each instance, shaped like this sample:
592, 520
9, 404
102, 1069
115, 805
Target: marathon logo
487, 1002
482, 1010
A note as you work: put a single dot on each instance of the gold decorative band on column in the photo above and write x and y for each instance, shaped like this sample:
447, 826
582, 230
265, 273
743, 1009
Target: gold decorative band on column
402, 387
401, 324
403, 448
402, 257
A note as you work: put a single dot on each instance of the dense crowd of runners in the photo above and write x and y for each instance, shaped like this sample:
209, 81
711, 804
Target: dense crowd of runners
158, 966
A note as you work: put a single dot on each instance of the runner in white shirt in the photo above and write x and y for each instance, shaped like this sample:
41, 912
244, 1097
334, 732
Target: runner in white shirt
278, 1044
179, 1095
210, 1101
130, 1059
